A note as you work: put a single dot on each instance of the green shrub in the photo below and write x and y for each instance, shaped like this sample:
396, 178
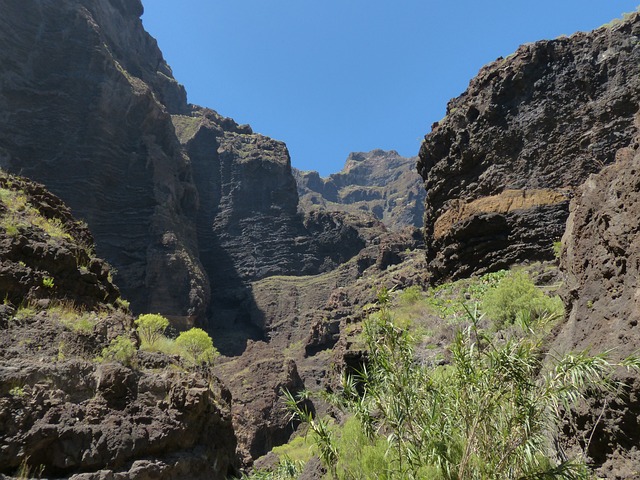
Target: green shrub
492, 413
516, 296
74, 318
121, 349
297, 449
196, 345
150, 328
286, 469
410, 295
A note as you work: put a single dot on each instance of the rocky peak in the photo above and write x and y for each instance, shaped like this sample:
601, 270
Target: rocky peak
380, 183
540, 120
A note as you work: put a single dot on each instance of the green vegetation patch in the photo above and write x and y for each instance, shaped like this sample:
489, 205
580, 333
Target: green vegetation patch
20, 215
491, 413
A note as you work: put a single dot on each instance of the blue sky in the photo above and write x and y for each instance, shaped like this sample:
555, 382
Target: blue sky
335, 76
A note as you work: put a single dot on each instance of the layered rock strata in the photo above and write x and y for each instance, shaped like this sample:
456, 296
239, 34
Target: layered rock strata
182, 201
67, 408
380, 183
500, 168
85, 97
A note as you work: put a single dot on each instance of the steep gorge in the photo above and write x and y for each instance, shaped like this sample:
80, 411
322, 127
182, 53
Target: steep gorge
185, 204
201, 216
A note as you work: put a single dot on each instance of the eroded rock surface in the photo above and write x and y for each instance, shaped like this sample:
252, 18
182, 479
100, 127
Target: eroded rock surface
85, 97
532, 126
305, 323
601, 256
186, 204
64, 411
380, 183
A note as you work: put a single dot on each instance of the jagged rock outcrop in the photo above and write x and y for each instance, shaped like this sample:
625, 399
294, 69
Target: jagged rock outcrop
44, 253
187, 205
378, 182
301, 320
65, 413
601, 257
500, 168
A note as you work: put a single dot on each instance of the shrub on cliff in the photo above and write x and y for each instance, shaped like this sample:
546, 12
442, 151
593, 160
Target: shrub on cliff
516, 296
197, 346
121, 349
150, 328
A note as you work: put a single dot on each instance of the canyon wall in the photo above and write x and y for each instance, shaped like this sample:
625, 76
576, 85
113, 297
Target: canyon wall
501, 167
182, 201
380, 183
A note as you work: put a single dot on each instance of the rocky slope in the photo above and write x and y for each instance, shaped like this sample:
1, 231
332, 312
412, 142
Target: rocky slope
501, 167
65, 413
248, 225
601, 256
189, 207
377, 182
305, 324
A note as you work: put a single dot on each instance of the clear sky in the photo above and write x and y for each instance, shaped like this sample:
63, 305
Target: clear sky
329, 77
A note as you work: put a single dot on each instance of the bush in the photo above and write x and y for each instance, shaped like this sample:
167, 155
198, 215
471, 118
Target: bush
150, 328
121, 349
491, 414
197, 346
516, 296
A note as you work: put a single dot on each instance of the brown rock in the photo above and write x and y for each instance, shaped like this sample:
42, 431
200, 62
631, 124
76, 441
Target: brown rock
378, 183
540, 120
601, 256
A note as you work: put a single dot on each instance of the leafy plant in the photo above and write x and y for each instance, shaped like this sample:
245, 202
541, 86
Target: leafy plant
151, 327
74, 318
121, 349
17, 392
557, 249
492, 413
47, 282
516, 295
197, 346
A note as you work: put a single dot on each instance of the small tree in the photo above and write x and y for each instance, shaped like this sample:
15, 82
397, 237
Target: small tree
151, 326
197, 345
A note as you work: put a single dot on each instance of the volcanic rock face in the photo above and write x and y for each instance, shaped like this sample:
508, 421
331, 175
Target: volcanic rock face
181, 200
85, 96
63, 411
601, 256
302, 319
499, 169
378, 182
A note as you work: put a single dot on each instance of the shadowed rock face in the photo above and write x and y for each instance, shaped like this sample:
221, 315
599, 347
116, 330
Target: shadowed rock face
85, 98
534, 126
182, 201
380, 183
64, 413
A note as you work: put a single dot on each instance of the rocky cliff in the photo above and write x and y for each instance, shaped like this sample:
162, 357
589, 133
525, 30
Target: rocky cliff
601, 256
501, 167
181, 200
190, 208
68, 409
380, 183
86, 99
